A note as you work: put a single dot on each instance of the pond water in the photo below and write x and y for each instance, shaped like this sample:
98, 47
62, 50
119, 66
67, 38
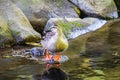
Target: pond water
80, 68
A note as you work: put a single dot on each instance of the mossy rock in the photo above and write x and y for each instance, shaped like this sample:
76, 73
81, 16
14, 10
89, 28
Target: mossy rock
16, 25
54, 9
67, 25
20, 26
5, 34
96, 8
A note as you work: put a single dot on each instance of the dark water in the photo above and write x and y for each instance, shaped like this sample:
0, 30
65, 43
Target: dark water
81, 68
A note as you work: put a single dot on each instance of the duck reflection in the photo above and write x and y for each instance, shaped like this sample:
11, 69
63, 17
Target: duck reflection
54, 73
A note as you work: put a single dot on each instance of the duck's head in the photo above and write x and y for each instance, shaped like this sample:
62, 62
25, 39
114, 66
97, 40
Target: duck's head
52, 29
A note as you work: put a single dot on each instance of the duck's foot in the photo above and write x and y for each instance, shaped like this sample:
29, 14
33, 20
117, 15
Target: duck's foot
55, 59
52, 59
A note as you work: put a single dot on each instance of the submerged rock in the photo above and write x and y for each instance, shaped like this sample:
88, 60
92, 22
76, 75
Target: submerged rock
105, 40
15, 24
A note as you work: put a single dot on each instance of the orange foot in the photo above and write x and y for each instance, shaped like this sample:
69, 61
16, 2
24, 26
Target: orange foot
48, 57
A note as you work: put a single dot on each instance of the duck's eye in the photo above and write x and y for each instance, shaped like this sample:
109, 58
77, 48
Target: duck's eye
44, 32
48, 31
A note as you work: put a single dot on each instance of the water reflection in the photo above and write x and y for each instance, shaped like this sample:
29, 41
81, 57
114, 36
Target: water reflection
81, 68
93, 68
54, 73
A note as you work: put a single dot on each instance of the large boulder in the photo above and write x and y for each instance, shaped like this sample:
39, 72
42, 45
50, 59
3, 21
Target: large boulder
117, 2
5, 34
42, 10
39, 24
15, 25
96, 8
46, 8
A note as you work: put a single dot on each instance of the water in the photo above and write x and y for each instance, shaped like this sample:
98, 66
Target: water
79, 68
93, 69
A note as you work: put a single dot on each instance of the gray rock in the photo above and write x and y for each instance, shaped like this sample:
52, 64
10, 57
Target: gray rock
5, 34
73, 27
46, 8
38, 24
16, 23
97, 8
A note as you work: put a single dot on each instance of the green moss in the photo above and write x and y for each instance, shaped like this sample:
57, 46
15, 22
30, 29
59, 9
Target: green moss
24, 22
68, 26
15, 33
57, 3
22, 18
32, 38
5, 33
10, 22
35, 1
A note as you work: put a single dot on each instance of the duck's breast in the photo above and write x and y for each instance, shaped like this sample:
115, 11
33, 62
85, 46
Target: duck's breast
50, 43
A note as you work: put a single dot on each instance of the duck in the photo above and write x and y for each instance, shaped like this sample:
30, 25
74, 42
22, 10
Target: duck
54, 42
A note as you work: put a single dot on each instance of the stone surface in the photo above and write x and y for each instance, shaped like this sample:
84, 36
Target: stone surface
46, 8
117, 2
15, 24
73, 27
42, 10
96, 8
5, 33
38, 24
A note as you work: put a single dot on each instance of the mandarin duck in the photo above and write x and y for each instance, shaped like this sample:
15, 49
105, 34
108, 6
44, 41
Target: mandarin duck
54, 42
